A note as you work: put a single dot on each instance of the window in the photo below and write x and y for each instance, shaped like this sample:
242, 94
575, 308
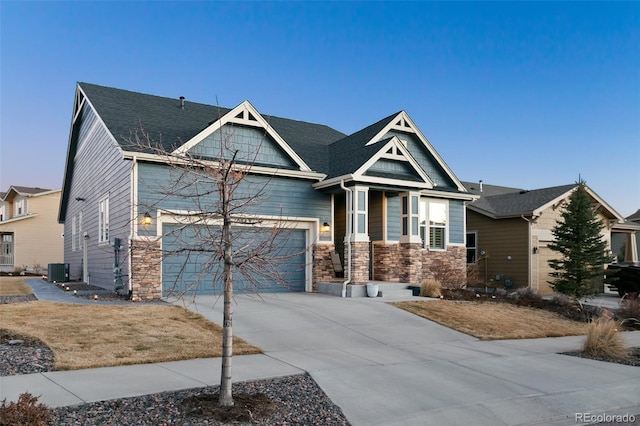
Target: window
472, 247
2, 213
19, 208
405, 215
80, 230
103, 221
361, 212
6, 249
433, 224
414, 214
73, 234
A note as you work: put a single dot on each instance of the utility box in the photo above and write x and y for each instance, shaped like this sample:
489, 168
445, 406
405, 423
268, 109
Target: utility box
58, 272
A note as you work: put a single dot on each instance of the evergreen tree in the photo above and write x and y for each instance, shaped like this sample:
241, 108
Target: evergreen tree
580, 245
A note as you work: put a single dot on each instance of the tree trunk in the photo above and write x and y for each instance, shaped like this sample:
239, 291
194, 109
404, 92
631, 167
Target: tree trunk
226, 396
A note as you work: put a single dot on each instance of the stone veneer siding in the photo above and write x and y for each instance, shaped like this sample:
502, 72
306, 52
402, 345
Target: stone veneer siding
454, 258
415, 264
146, 262
359, 262
385, 261
410, 263
322, 265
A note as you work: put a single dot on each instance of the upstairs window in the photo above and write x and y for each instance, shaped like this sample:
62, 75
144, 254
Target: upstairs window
19, 208
2, 213
103, 220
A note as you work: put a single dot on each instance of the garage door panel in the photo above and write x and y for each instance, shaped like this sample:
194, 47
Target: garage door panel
195, 273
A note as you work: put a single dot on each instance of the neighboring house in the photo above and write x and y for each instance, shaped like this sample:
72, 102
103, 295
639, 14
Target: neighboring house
30, 235
625, 239
509, 229
405, 207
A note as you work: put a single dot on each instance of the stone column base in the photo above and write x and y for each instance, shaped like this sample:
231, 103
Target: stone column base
146, 262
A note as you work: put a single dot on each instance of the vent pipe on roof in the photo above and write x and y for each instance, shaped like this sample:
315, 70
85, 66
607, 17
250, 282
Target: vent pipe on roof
480, 185
182, 102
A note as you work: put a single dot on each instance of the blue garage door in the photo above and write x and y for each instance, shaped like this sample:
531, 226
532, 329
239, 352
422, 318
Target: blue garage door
192, 272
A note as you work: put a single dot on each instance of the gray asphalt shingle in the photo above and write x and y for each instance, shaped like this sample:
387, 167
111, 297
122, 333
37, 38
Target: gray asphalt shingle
501, 201
124, 112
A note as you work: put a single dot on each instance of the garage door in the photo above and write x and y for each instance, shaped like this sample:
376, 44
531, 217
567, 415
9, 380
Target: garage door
193, 272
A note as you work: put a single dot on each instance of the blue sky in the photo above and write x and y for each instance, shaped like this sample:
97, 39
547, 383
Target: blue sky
518, 94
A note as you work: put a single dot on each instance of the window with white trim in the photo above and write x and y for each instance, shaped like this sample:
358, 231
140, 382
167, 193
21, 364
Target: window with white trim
74, 231
415, 216
472, 247
404, 213
80, 230
410, 217
19, 208
433, 224
2, 213
103, 220
361, 212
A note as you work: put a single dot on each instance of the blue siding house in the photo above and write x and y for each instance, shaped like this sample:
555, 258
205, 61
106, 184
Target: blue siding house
382, 198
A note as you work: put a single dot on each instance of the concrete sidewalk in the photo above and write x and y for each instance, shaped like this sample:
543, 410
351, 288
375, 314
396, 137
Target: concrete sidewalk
45, 290
381, 365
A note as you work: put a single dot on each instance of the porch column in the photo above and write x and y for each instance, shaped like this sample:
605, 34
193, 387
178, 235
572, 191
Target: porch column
632, 248
357, 236
410, 241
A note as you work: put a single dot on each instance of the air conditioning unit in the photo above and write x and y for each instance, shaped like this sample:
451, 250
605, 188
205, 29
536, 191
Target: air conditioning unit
58, 272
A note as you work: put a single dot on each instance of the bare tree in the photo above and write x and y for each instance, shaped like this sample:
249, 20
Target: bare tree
214, 203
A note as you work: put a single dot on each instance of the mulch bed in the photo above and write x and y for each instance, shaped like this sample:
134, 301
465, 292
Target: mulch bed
634, 357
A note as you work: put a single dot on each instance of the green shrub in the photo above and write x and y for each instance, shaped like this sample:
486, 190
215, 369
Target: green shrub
604, 341
430, 288
26, 412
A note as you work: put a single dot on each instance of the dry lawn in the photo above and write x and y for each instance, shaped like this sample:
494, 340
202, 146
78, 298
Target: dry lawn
85, 336
494, 321
14, 286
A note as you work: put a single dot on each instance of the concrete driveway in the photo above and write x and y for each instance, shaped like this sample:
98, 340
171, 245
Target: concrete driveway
384, 366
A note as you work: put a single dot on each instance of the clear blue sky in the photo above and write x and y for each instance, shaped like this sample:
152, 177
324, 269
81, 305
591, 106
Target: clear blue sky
518, 94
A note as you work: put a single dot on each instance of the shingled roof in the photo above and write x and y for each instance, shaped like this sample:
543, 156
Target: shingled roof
23, 190
350, 153
502, 202
124, 112
634, 217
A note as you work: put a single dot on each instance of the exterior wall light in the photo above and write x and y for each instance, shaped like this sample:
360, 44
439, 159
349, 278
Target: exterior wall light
325, 227
147, 219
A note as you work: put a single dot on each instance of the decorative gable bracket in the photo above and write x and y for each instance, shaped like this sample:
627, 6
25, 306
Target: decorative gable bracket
244, 114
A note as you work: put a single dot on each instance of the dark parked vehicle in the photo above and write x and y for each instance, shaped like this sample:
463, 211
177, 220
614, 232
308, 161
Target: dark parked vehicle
624, 277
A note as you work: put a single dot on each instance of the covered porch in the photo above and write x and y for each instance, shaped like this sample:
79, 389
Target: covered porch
392, 237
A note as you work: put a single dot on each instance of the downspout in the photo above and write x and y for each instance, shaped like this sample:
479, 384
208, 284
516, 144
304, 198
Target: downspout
529, 255
348, 239
133, 231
